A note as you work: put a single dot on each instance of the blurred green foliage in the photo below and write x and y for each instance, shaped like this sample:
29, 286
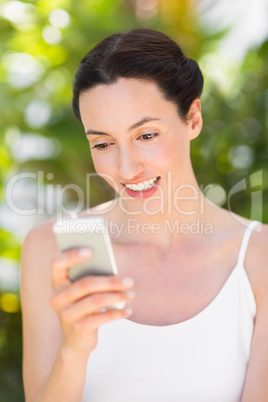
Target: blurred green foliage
41, 43
10, 356
234, 144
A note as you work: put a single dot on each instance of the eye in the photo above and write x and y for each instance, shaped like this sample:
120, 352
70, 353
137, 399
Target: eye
149, 136
102, 146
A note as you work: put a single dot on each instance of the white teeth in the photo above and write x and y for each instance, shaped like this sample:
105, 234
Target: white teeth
135, 187
145, 185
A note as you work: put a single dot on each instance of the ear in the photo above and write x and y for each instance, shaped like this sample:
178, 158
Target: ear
195, 119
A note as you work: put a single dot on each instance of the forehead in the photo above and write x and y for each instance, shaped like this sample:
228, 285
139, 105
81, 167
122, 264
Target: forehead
126, 99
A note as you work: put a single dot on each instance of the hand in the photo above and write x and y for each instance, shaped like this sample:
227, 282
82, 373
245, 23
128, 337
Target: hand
81, 305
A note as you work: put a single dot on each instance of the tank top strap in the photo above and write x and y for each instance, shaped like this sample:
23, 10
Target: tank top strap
244, 243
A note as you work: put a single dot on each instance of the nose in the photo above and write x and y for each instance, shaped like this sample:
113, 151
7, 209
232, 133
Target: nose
130, 163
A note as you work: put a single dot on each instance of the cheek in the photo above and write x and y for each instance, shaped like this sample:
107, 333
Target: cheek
105, 169
99, 164
104, 163
168, 153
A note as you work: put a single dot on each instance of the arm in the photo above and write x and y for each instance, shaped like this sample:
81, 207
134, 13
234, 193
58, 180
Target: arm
256, 385
60, 318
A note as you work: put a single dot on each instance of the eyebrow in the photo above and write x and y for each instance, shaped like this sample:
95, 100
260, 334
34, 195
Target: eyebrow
135, 125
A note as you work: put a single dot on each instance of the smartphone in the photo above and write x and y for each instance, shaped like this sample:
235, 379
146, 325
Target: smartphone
90, 232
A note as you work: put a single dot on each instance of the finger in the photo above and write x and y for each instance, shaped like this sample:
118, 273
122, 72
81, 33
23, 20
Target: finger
94, 321
94, 304
89, 285
61, 264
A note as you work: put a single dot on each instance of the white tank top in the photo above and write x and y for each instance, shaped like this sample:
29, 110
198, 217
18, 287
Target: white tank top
203, 359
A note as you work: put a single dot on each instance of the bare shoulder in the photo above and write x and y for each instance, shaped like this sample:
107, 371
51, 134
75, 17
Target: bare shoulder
39, 240
38, 248
256, 258
256, 263
256, 386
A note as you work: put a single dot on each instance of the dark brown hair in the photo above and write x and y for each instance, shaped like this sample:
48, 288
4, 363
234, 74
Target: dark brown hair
142, 54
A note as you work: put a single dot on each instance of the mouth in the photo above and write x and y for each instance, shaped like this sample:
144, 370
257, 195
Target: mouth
144, 185
142, 189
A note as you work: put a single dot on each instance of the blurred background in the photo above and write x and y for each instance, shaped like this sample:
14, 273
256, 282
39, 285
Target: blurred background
44, 156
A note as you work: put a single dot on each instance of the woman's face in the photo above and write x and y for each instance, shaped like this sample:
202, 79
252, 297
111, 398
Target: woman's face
137, 139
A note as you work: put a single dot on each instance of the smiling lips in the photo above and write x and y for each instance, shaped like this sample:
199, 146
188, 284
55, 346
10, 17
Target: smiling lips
144, 185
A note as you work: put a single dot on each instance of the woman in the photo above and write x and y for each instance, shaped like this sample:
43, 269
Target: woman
195, 325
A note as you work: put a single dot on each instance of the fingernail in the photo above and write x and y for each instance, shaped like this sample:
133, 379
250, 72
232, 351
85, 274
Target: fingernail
127, 282
130, 293
128, 311
84, 252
